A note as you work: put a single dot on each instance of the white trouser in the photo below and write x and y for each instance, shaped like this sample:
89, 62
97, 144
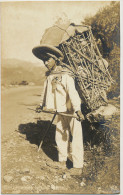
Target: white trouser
64, 126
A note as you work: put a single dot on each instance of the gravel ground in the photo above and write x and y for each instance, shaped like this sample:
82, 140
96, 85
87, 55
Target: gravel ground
24, 170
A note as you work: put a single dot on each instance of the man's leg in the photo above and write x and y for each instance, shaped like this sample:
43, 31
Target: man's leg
62, 137
77, 143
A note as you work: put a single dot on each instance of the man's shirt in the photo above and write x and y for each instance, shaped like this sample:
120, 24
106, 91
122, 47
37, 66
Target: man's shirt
60, 93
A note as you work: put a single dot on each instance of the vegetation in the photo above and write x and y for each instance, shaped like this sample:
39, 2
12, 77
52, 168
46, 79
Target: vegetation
104, 139
106, 29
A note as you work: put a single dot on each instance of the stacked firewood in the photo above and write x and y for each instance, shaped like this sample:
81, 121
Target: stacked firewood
90, 70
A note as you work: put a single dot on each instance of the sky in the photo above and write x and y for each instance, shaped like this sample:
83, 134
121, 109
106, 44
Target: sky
23, 23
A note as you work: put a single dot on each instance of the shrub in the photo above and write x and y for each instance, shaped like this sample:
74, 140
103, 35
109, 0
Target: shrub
106, 29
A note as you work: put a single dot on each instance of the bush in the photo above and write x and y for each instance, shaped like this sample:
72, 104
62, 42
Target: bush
114, 69
106, 29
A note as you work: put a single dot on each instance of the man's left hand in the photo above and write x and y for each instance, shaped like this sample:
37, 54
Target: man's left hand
80, 115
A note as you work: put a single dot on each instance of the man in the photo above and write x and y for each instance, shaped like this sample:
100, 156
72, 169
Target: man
60, 94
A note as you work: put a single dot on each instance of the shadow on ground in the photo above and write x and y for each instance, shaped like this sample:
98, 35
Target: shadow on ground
35, 132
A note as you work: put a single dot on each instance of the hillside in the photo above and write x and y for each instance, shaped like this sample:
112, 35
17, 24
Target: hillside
15, 71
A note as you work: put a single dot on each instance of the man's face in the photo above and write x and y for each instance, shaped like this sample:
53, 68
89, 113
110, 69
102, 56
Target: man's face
50, 63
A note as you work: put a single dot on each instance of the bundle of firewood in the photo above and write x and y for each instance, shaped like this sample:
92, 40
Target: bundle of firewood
90, 70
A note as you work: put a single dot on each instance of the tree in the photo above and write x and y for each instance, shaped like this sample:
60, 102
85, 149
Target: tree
106, 27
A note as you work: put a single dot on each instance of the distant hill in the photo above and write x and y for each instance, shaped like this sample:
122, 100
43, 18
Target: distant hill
15, 71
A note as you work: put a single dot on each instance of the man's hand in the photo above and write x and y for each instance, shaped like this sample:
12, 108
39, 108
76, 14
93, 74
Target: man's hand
39, 109
80, 115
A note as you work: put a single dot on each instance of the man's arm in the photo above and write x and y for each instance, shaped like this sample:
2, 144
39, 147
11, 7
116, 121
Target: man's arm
42, 103
74, 97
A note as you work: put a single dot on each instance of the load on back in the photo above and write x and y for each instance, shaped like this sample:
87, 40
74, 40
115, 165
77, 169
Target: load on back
83, 59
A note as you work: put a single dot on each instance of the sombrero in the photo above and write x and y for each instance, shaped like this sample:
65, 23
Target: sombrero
42, 52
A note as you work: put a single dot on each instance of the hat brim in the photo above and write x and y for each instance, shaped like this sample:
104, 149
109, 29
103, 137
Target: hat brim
42, 52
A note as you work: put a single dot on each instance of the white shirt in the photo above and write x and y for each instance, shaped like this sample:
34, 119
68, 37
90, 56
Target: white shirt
60, 93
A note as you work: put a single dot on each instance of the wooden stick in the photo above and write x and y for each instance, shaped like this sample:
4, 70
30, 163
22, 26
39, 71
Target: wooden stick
71, 58
77, 53
67, 57
84, 56
58, 113
46, 132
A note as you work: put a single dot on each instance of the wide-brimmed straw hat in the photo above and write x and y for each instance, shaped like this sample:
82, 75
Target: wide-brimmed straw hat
42, 52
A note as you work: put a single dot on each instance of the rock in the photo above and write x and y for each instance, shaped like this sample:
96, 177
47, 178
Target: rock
25, 178
8, 178
109, 110
102, 113
53, 187
28, 177
33, 146
57, 179
85, 164
99, 190
82, 184
68, 175
25, 170
18, 170
64, 176
115, 189
42, 177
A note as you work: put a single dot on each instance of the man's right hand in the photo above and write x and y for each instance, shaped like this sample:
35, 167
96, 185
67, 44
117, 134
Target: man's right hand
39, 109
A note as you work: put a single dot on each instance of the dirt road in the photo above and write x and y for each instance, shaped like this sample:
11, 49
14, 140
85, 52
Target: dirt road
15, 102
26, 171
